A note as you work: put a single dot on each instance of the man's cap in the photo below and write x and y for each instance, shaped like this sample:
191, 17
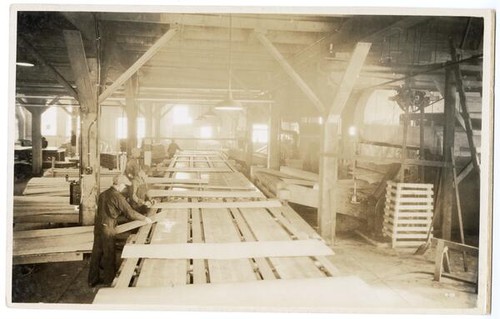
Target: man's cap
121, 179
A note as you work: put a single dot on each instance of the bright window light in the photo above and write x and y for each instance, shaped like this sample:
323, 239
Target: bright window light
49, 122
181, 115
259, 133
206, 132
121, 127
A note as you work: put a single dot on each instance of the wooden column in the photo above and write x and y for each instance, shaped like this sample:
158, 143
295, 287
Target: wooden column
132, 110
450, 102
89, 125
149, 117
21, 122
273, 148
157, 120
74, 128
36, 139
328, 168
248, 138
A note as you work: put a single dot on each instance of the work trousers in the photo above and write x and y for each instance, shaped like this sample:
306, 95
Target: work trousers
103, 259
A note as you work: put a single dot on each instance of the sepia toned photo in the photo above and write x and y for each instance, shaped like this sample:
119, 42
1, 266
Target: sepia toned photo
246, 159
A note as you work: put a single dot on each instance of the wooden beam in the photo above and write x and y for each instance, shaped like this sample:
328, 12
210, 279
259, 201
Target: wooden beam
138, 64
291, 72
36, 139
448, 144
69, 88
273, 148
293, 23
87, 96
84, 22
328, 174
131, 107
465, 172
350, 76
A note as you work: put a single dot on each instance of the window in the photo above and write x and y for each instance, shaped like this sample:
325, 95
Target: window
259, 133
206, 132
181, 115
49, 122
122, 131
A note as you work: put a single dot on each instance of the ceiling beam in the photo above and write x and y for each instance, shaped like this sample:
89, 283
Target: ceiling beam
291, 72
221, 20
84, 22
138, 64
84, 83
31, 49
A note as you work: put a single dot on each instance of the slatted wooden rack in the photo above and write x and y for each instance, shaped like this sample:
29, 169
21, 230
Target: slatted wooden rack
408, 213
202, 240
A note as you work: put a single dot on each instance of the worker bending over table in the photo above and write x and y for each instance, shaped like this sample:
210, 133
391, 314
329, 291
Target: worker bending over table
111, 205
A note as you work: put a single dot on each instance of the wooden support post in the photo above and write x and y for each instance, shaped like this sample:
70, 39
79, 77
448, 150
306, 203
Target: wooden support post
157, 121
131, 107
448, 143
422, 144
21, 122
75, 118
328, 175
273, 149
89, 126
248, 138
149, 117
36, 139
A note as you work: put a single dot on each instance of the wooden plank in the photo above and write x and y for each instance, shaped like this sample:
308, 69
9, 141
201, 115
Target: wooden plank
254, 204
58, 249
129, 265
472, 250
168, 180
264, 228
194, 169
204, 194
300, 182
298, 173
279, 295
174, 229
47, 258
199, 270
228, 250
222, 239
72, 218
34, 243
300, 195
138, 64
52, 232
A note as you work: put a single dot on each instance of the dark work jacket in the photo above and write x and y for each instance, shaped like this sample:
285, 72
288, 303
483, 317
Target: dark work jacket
111, 205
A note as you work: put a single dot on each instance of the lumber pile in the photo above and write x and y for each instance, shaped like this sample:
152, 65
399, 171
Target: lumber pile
51, 245
57, 186
44, 209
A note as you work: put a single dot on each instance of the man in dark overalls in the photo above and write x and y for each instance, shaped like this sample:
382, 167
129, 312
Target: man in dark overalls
111, 204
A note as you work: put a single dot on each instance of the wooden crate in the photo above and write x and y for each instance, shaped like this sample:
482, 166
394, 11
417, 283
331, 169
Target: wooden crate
408, 213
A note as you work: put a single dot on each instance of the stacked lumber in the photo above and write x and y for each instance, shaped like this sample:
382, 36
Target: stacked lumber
44, 209
289, 183
51, 245
74, 173
408, 213
57, 186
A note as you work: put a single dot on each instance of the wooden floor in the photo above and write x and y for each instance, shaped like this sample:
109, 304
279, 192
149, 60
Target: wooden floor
208, 233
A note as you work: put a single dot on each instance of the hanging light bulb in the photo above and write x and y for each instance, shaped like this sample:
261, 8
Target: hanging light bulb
229, 104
